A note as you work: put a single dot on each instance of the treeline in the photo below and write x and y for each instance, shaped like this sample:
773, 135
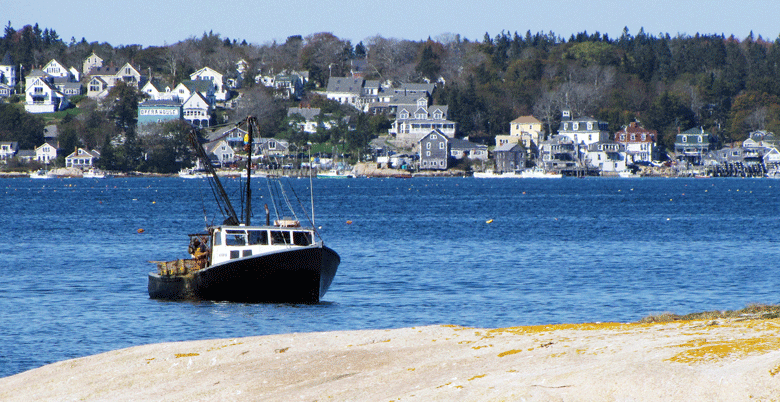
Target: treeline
727, 85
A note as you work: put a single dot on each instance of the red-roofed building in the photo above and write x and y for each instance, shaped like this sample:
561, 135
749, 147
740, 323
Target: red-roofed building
639, 142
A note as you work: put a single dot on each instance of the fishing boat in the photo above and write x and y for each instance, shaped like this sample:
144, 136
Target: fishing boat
335, 174
42, 174
278, 262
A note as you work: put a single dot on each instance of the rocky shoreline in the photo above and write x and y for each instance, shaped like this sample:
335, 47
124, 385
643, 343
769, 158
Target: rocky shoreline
715, 360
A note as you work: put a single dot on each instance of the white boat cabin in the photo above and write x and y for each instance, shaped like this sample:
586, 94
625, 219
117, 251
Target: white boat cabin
233, 242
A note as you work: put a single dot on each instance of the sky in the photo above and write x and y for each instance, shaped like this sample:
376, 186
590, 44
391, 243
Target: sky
165, 22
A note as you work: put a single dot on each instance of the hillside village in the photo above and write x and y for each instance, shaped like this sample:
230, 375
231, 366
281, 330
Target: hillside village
420, 135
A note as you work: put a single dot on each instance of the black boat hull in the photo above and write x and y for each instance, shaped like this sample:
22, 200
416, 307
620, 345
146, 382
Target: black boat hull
299, 275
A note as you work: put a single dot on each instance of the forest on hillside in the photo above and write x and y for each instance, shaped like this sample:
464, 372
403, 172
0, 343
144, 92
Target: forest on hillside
727, 85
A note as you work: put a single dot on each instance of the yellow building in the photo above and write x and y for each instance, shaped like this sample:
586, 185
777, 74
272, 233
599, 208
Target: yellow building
526, 130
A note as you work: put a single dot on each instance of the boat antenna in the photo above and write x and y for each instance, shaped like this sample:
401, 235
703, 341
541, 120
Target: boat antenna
232, 217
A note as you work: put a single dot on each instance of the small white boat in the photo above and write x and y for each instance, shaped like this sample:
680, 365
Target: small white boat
95, 174
335, 174
42, 174
539, 173
627, 174
192, 174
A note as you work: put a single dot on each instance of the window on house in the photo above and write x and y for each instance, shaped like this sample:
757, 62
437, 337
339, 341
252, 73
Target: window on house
441, 145
428, 145
590, 126
700, 139
684, 139
575, 126
433, 136
427, 153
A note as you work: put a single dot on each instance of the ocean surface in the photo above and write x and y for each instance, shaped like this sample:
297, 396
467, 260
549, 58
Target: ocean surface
473, 252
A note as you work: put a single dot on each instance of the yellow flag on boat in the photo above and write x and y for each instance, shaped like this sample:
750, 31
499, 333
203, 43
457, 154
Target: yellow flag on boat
246, 138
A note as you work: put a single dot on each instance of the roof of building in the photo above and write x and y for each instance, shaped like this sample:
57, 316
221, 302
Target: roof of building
345, 84
308, 113
526, 120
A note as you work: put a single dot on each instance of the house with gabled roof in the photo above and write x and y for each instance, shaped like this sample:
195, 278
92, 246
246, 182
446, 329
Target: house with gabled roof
220, 91
197, 110
107, 77
186, 88
91, 62
46, 153
434, 151
42, 97
55, 69
158, 90
509, 157
233, 135
220, 151
6, 91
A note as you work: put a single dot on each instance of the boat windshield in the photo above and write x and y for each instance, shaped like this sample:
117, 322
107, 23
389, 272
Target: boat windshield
258, 237
235, 238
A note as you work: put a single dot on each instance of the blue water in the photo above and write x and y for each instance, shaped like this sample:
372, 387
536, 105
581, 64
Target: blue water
417, 252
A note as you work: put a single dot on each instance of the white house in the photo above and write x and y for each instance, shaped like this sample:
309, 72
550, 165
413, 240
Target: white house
46, 153
8, 149
607, 156
583, 130
345, 90
158, 90
208, 74
8, 71
197, 110
42, 97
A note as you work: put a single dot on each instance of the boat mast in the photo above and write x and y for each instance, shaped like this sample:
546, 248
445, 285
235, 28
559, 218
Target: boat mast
232, 218
250, 122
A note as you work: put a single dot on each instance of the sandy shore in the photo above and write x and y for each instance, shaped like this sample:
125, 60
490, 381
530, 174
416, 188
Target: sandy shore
723, 360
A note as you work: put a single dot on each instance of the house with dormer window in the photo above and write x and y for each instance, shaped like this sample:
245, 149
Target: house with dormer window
582, 130
412, 123
607, 156
692, 145
46, 153
345, 90
41, 96
220, 151
82, 158
109, 76
639, 142
158, 90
